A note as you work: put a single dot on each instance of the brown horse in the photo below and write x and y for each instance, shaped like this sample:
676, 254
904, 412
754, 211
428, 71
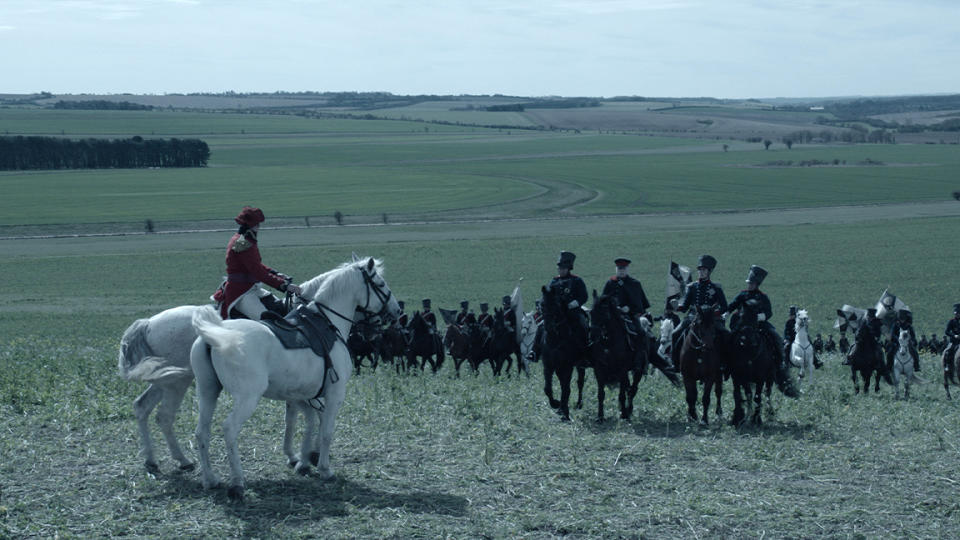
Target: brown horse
866, 358
700, 361
457, 342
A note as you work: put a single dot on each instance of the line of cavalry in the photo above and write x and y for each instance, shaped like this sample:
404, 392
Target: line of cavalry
300, 352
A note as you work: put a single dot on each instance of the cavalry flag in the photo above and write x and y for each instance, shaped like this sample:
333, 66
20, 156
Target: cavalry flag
677, 279
853, 317
449, 315
516, 305
888, 305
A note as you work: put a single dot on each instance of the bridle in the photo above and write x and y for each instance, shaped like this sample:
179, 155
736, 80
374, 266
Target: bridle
368, 315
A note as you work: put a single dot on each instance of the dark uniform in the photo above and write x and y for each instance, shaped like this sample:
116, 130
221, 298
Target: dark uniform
430, 318
756, 275
462, 315
904, 322
952, 337
572, 292
669, 313
874, 326
702, 292
831, 345
790, 330
818, 344
628, 291
844, 344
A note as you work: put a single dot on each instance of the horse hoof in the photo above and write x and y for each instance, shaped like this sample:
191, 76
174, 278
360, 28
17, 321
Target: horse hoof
325, 474
302, 469
315, 459
235, 493
187, 467
600, 419
564, 417
152, 467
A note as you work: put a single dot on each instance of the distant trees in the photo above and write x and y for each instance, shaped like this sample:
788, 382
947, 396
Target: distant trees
30, 153
101, 105
766, 144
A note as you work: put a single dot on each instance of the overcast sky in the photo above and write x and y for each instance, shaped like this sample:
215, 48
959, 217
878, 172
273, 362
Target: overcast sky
678, 48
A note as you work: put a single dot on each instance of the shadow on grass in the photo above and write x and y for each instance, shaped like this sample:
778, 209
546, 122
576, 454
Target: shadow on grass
301, 500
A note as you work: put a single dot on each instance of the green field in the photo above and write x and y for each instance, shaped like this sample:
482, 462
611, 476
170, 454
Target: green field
433, 456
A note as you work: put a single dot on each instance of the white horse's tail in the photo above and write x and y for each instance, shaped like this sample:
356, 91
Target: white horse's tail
209, 325
137, 361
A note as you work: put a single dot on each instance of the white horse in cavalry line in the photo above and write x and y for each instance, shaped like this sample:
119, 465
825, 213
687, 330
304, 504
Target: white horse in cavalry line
666, 339
801, 351
903, 366
245, 358
157, 351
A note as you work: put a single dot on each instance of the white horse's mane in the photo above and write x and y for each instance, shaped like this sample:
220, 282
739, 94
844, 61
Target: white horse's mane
333, 282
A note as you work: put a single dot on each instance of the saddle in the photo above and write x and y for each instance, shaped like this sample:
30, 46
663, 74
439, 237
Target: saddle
303, 328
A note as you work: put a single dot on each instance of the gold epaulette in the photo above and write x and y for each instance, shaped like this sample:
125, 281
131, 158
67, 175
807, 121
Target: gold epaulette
242, 244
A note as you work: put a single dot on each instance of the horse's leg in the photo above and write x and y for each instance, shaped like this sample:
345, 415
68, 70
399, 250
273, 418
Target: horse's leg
707, 386
622, 398
581, 375
690, 387
601, 393
757, 403
876, 383
309, 436
853, 377
208, 390
632, 393
738, 414
244, 403
565, 374
167, 414
142, 407
548, 383
718, 391
290, 426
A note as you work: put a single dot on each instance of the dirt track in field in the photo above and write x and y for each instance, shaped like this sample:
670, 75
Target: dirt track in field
469, 229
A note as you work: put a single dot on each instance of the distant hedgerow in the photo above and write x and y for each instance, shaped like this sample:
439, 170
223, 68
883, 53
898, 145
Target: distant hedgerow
29, 153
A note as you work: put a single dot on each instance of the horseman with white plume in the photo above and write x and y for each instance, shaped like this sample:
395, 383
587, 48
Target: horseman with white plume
241, 294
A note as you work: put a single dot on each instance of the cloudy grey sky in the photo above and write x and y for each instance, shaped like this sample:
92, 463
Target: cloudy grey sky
719, 48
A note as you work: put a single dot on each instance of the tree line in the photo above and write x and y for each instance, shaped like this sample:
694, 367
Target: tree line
101, 105
31, 153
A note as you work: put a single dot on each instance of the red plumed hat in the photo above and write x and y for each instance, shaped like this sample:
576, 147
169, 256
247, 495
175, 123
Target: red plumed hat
250, 216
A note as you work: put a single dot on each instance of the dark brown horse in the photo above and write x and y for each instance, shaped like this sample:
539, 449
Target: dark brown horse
564, 348
700, 361
866, 358
424, 344
457, 341
951, 362
755, 363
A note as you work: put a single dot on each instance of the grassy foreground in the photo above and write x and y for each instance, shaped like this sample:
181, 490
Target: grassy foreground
433, 456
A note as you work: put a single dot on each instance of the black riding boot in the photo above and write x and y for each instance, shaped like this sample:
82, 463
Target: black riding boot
916, 360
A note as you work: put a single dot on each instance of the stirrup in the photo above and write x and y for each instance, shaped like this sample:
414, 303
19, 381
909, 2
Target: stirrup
318, 403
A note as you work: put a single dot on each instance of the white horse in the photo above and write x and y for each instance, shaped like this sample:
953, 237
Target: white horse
246, 359
903, 366
157, 351
666, 339
801, 351
528, 335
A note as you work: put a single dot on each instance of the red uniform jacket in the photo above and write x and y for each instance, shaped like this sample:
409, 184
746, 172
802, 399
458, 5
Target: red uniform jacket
244, 268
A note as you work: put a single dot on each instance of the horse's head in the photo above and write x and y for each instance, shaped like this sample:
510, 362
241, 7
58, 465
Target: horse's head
666, 330
380, 301
803, 319
904, 339
605, 310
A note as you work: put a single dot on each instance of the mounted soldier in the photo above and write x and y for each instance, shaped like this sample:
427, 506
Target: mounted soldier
669, 312
843, 345
509, 315
755, 277
430, 318
875, 327
904, 322
923, 345
702, 292
789, 331
241, 295
573, 292
818, 344
629, 293
952, 338
462, 314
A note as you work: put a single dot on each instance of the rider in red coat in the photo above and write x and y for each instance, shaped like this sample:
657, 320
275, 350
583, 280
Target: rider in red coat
245, 271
